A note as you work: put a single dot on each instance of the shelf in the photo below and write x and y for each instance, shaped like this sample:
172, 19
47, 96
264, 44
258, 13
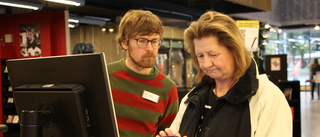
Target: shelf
295, 103
9, 113
10, 106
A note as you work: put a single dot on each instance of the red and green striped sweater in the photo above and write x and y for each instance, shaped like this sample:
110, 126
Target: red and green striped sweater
136, 116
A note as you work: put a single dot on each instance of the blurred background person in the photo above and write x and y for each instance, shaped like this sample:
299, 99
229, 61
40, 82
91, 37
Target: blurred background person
314, 67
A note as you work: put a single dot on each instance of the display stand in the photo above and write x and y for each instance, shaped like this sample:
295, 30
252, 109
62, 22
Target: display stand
294, 102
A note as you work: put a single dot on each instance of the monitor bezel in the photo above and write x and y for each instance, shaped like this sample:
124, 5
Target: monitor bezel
89, 70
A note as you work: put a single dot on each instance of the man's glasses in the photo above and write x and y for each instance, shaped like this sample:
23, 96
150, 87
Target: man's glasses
143, 43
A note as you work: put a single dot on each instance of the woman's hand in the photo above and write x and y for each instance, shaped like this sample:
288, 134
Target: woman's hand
168, 133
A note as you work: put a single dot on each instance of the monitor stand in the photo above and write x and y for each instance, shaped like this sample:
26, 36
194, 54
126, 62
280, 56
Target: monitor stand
32, 122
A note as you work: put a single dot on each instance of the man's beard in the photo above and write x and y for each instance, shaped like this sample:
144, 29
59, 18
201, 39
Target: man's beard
144, 63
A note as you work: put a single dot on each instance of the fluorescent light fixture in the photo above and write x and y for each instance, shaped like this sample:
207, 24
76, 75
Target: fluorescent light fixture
69, 2
71, 26
22, 4
88, 20
73, 20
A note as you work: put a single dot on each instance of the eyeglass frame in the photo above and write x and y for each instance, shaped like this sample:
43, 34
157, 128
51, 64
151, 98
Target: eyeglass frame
137, 39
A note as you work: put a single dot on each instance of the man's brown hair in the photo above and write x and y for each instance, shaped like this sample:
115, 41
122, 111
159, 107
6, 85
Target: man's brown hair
136, 22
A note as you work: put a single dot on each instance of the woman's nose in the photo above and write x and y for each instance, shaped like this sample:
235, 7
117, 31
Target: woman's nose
207, 62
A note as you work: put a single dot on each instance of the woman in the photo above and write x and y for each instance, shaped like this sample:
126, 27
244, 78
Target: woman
231, 99
313, 70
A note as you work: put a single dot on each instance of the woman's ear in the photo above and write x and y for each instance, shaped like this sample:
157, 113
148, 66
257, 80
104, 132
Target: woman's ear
124, 44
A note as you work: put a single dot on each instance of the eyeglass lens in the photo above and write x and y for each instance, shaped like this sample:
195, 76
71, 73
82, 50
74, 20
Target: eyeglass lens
142, 43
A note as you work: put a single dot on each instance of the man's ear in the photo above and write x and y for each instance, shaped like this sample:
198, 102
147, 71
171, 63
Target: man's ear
124, 44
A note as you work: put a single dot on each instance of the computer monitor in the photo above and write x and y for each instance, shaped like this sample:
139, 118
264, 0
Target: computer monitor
68, 96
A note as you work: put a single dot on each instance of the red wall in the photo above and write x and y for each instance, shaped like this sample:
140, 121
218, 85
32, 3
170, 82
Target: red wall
52, 32
52, 36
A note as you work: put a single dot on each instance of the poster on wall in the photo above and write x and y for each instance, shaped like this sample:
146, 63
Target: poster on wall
250, 32
275, 64
30, 44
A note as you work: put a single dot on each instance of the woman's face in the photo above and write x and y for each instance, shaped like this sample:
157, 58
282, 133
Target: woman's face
215, 60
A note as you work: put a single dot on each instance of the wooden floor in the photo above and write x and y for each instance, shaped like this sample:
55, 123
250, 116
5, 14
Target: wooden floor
310, 115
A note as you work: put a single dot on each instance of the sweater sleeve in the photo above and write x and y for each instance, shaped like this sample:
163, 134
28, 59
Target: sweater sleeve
171, 109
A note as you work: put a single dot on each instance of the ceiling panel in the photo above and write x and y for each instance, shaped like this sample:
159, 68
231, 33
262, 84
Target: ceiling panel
185, 10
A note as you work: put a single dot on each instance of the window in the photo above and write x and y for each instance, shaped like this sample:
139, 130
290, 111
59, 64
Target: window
301, 46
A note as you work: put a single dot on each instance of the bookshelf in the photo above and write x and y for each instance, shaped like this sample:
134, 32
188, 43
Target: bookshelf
294, 102
10, 117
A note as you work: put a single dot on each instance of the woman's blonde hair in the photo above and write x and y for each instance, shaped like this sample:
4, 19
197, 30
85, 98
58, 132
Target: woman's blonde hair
225, 29
136, 22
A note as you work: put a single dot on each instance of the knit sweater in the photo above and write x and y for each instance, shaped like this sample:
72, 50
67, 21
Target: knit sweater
138, 114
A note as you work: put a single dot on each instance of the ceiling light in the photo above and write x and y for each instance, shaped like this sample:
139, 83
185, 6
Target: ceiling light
267, 26
22, 4
71, 26
69, 2
272, 30
317, 27
111, 30
73, 20
265, 43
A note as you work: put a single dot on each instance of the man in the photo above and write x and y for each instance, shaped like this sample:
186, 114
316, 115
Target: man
146, 101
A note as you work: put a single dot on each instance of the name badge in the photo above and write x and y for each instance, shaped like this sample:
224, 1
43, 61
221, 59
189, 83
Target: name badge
150, 96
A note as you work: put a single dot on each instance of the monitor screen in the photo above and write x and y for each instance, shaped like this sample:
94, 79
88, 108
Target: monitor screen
68, 95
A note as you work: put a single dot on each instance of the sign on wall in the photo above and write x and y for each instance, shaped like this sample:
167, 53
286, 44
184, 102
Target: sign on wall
250, 32
275, 64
